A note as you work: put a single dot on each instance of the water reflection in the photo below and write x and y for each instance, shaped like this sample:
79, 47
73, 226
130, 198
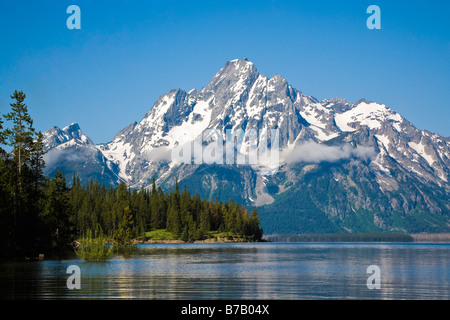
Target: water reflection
241, 271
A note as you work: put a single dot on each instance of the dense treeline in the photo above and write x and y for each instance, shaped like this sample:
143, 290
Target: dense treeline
39, 214
187, 216
343, 237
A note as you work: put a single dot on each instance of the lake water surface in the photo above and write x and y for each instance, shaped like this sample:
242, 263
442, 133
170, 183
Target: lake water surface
288, 271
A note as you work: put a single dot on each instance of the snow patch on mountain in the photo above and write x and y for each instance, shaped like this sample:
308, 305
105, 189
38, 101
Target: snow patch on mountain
420, 149
368, 114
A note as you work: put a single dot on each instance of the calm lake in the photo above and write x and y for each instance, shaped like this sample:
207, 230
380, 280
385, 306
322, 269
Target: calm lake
288, 271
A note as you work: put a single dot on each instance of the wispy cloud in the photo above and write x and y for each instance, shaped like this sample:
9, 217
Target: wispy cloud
53, 156
157, 154
315, 152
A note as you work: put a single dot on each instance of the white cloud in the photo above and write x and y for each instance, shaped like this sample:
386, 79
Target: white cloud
316, 152
53, 156
158, 154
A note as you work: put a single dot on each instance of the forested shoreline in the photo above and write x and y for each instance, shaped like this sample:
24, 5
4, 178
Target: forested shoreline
342, 237
39, 214
186, 216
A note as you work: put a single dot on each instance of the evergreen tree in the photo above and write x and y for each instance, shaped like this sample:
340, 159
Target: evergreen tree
123, 196
22, 133
185, 234
5, 197
75, 198
84, 223
141, 208
216, 219
24, 178
2, 136
124, 233
57, 211
255, 230
37, 162
173, 219
158, 208
205, 217
185, 206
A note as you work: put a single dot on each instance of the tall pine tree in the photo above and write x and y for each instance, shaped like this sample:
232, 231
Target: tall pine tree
24, 177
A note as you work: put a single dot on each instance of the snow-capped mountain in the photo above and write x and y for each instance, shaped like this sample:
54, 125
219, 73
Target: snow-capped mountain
70, 150
381, 164
56, 136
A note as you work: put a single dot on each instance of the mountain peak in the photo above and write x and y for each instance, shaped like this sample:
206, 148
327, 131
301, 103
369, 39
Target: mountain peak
239, 61
278, 78
239, 66
236, 71
56, 136
73, 127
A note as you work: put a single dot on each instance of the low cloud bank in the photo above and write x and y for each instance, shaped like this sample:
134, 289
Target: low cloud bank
310, 152
316, 152
54, 156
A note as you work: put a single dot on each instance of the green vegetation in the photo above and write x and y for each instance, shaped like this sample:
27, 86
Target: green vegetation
216, 235
94, 247
126, 214
160, 234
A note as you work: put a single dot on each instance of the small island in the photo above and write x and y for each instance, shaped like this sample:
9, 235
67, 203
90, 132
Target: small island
104, 220
152, 216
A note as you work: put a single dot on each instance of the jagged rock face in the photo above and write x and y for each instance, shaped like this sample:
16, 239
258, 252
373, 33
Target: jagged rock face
377, 164
56, 136
71, 151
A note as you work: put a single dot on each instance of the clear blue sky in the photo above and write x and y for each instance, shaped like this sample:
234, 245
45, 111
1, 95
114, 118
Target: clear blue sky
128, 53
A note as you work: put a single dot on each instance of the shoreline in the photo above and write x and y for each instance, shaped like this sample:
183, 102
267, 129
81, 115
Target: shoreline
411, 238
363, 237
209, 240
317, 238
430, 237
